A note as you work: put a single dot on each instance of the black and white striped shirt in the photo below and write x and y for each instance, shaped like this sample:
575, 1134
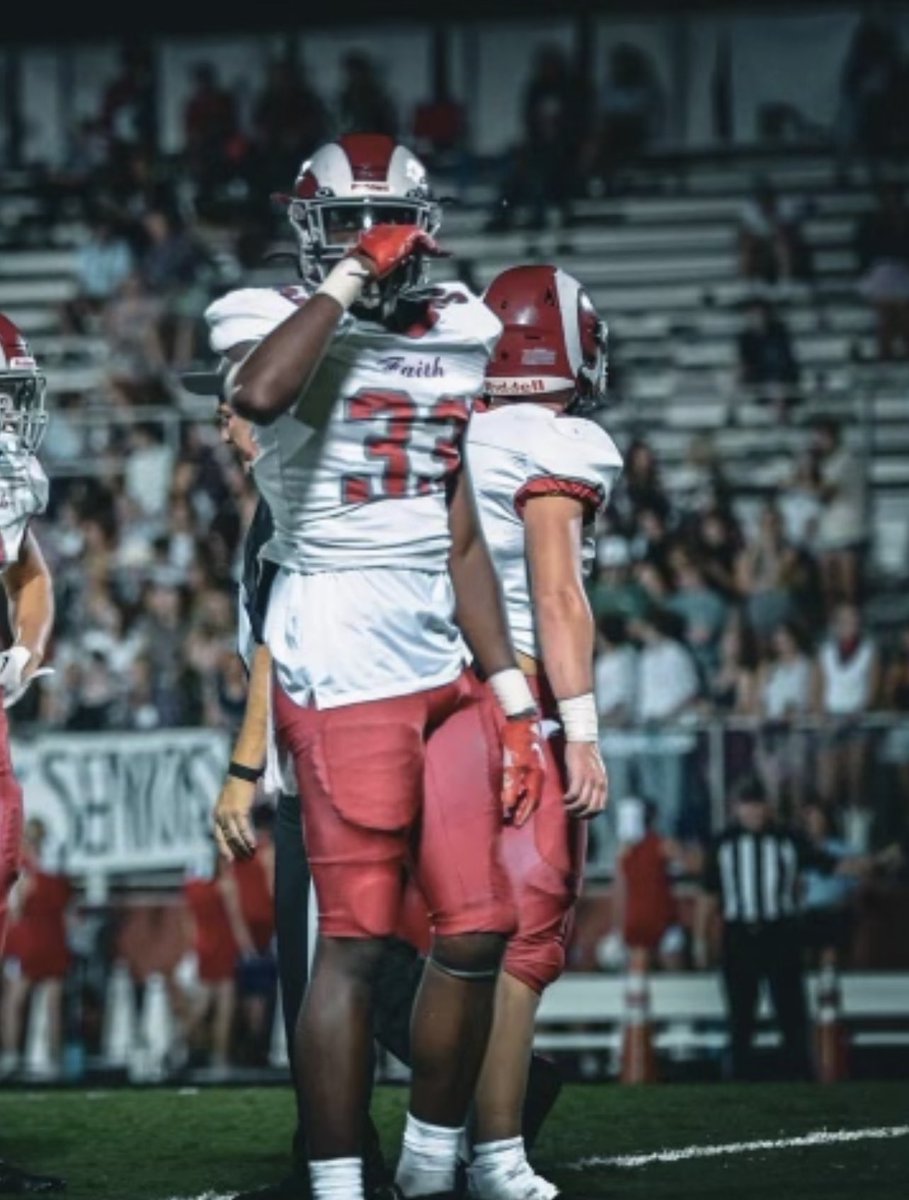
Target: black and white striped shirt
756, 875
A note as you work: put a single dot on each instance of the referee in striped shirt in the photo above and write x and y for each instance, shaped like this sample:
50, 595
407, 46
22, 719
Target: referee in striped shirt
752, 877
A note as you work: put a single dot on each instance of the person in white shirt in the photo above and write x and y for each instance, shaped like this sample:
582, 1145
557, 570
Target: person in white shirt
846, 688
785, 697
843, 524
667, 688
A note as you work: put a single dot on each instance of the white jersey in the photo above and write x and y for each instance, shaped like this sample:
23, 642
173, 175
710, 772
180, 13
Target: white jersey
23, 495
363, 606
518, 451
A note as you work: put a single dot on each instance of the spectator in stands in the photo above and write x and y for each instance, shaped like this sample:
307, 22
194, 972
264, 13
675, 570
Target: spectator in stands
616, 672
209, 125
103, 263
764, 573
702, 608
542, 171
786, 690
630, 112
667, 689
870, 86
771, 247
440, 122
92, 688
176, 267
653, 578
732, 685
843, 525
846, 689
613, 591
705, 486
882, 245
129, 106
639, 486
132, 327
827, 912
896, 700
800, 505
289, 121
767, 363
364, 104
716, 543
652, 538
149, 469
37, 952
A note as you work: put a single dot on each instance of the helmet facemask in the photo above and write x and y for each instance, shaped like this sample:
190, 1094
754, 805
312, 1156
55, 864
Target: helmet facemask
592, 377
326, 227
22, 408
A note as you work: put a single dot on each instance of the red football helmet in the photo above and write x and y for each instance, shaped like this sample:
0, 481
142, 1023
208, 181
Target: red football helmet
553, 338
361, 180
22, 388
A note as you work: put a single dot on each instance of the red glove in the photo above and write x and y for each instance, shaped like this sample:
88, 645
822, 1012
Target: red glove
525, 769
388, 246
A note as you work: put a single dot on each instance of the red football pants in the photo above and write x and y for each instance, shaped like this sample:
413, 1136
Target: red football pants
410, 782
10, 825
544, 860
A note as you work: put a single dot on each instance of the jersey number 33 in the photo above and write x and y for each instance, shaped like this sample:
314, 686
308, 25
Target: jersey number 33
410, 450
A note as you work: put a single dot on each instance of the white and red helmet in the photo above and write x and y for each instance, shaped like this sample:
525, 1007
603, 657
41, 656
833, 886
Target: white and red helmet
22, 388
361, 180
554, 339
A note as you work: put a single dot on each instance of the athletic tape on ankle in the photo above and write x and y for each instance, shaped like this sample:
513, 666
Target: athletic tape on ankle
579, 718
345, 282
513, 692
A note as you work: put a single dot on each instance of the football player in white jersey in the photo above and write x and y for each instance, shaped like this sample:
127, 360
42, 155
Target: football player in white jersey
30, 597
360, 383
541, 471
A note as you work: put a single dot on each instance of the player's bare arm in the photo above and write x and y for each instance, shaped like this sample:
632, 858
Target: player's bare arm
565, 627
276, 374
480, 614
233, 827
30, 594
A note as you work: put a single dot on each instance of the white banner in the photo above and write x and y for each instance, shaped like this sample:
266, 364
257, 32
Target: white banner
116, 802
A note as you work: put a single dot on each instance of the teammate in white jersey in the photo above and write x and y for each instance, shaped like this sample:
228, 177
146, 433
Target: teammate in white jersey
30, 597
361, 383
541, 471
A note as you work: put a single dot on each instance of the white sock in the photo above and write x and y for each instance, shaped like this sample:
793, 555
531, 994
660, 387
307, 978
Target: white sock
337, 1179
500, 1170
429, 1158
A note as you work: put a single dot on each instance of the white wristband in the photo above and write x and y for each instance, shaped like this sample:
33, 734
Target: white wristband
512, 692
579, 718
345, 282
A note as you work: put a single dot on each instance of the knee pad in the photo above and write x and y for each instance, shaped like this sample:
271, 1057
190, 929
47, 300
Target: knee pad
535, 963
470, 956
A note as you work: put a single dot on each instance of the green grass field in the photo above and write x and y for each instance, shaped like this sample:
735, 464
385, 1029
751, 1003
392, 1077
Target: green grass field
162, 1144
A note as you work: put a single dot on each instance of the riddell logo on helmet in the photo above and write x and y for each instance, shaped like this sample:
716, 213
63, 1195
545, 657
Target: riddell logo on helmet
515, 387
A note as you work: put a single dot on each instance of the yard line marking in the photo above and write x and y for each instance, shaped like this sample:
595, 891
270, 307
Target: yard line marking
205, 1196
822, 1137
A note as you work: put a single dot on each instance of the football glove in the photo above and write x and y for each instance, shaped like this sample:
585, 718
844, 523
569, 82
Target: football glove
12, 667
524, 767
389, 246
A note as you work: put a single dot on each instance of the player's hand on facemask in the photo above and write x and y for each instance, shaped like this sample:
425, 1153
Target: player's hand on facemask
524, 767
15, 668
386, 247
233, 827
587, 792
